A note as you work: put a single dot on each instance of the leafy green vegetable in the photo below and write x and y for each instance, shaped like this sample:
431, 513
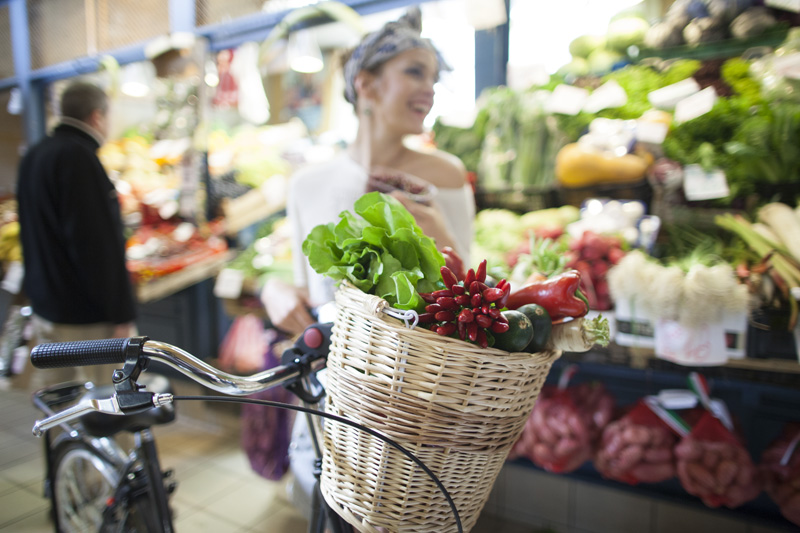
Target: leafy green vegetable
752, 140
381, 251
638, 81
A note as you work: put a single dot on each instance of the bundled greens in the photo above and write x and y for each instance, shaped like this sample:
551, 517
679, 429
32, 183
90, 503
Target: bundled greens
638, 81
379, 249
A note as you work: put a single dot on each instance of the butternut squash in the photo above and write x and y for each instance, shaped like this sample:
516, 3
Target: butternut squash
577, 166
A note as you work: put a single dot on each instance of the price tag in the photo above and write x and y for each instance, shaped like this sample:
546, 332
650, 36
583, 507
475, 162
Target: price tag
667, 97
700, 346
696, 105
229, 284
609, 95
787, 5
567, 100
12, 282
701, 185
651, 132
788, 65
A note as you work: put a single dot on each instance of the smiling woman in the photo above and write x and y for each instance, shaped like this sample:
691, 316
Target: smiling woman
389, 79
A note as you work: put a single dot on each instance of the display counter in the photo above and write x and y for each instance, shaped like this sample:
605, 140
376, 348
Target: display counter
159, 288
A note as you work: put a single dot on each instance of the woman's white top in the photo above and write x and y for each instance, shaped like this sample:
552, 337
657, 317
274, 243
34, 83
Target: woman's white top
318, 193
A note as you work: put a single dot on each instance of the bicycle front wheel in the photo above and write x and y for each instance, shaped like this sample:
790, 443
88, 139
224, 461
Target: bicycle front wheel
83, 483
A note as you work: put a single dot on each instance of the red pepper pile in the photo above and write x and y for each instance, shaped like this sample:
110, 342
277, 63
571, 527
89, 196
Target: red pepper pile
469, 306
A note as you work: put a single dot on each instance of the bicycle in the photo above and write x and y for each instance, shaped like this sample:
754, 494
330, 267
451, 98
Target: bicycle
94, 485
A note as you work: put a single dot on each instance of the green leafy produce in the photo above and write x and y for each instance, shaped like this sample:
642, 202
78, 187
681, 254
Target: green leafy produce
602, 61
464, 143
379, 249
701, 140
581, 47
764, 148
270, 253
736, 74
638, 81
626, 31
538, 141
754, 141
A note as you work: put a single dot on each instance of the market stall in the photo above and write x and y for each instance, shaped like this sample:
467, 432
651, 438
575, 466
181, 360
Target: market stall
657, 164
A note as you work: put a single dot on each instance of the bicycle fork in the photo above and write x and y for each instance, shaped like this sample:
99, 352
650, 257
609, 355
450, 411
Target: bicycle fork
158, 493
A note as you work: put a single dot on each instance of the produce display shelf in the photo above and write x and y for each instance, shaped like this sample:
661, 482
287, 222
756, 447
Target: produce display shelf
761, 511
775, 371
719, 49
172, 283
254, 206
760, 409
521, 199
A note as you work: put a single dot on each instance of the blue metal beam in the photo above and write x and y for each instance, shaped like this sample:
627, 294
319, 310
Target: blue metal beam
88, 64
257, 27
33, 103
182, 16
491, 55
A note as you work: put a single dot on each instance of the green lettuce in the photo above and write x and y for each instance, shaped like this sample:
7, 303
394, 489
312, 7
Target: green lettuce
379, 249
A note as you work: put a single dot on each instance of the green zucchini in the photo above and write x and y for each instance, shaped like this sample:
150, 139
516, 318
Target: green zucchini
542, 326
519, 334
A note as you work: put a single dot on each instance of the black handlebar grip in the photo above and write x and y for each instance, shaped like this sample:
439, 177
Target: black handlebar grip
82, 353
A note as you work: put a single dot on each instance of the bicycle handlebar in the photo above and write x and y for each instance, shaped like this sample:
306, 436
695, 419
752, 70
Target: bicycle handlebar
314, 344
80, 353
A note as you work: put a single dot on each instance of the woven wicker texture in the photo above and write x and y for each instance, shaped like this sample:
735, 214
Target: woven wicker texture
459, 408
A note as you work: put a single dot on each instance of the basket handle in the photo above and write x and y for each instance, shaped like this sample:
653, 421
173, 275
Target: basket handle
376, 305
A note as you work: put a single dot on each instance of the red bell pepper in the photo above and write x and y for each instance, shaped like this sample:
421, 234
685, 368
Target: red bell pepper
559, 295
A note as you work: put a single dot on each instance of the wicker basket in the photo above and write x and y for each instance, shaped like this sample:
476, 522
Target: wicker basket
457, 407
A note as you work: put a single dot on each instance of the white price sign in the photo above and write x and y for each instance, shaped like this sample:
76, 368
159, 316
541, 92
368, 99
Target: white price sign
651, 132
696, 105
567, 100
701, 346
700, 185
229, 284
787, 5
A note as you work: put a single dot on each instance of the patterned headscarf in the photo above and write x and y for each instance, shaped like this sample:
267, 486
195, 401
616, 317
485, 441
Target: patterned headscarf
381, 45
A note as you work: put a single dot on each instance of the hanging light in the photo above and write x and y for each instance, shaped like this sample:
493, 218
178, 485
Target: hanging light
304, 53
135, 78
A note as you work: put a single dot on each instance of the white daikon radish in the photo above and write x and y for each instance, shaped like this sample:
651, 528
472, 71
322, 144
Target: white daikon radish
782, 220
766, 232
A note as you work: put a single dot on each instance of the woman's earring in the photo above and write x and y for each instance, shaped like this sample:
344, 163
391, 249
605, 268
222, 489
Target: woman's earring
368, 111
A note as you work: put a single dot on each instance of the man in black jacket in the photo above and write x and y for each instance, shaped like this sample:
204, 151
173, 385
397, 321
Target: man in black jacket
71, 230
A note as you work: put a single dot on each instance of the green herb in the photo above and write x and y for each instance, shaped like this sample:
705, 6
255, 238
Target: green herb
381, 251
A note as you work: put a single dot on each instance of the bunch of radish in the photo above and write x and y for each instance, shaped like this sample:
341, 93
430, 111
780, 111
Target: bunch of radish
560, 434
713, 465
637, 448
593, 254
780, 465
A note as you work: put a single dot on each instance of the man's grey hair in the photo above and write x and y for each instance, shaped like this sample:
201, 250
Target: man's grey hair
80, 99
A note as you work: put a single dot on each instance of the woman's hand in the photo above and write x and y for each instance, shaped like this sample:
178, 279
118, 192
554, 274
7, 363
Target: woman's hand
429, 219
287, 306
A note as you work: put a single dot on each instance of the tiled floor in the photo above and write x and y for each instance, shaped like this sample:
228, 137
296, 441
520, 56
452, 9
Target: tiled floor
217, 491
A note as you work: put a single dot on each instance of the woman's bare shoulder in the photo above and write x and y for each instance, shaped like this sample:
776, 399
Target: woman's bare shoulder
441, 169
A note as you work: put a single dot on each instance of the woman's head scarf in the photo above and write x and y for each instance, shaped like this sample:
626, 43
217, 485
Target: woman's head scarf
379, 46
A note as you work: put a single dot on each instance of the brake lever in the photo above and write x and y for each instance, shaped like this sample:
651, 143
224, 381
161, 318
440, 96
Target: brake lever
118, 404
